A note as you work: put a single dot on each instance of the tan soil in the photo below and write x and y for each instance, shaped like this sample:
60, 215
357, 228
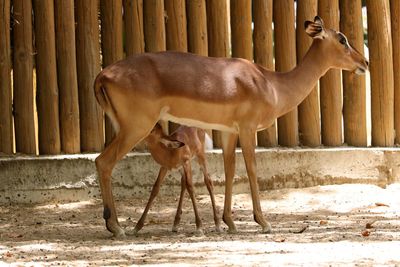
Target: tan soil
317, 226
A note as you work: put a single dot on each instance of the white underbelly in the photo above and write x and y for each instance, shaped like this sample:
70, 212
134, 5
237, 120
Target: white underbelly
199, 124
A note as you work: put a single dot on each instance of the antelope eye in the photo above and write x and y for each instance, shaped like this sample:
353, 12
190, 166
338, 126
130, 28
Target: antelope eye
342, 39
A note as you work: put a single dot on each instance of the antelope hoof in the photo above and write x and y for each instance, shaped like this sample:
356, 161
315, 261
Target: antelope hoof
175, 229
218, 229
119, 234
199, 232
232, 230
267, 229
134, 232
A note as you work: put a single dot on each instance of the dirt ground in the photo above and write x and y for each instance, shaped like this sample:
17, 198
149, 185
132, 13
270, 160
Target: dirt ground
317, 226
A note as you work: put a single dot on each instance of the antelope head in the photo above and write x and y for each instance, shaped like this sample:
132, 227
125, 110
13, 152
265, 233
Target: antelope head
338, 50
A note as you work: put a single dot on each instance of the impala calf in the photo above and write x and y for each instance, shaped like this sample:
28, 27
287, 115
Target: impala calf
232, 95
175, 151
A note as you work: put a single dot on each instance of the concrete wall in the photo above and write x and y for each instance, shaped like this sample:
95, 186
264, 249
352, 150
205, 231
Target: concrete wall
73, 177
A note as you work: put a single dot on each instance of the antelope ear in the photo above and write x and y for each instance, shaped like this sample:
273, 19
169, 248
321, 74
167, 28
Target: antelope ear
171, 143
315, 29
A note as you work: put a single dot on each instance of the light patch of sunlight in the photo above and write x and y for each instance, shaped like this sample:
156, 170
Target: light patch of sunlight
347, 198
67, 206
233, 252
32, 247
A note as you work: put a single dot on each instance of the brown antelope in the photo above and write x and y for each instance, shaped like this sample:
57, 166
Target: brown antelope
234, 96
174, 151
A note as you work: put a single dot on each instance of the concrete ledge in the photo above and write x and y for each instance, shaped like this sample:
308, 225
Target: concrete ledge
41, 179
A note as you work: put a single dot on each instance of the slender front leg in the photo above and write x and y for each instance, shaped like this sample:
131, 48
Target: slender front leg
154, 192
179, 209
229, 142
247, 141
210, 188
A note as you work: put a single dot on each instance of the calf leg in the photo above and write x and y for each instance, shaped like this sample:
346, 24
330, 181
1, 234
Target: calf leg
154, 193
210, 188
189, 186
179, 209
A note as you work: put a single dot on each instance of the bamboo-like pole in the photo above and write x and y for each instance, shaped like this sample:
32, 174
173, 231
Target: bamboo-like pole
264, 55
46, 74
309, 117
111, 41
241, 30
197, 30
133, 21
88, 66
330, 84
395, 21
154, 27
217, 28
6, 126
242, 45
285, 60
134, 35
154, 32
381, 69
354, 97
176, 32
218, 38
197, 27
25, 140
176, 25
67, 77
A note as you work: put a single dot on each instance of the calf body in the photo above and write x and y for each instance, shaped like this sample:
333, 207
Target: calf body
175, 151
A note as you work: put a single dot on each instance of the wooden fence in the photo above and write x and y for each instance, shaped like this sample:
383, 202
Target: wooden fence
51, 51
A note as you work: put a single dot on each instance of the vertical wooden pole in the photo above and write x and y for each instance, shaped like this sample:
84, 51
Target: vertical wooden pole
285, 56
242, 45
241, 31
395, 21
23, 78
217, 28
218, 38
176, 32
330, 84
88, 66
67, 77
197, 27
154, 27
354, 98
133, 19
46, 73
154, 32
134, 35
176, 26
111, 41
309, 118
264, 55
381, 68
6, 126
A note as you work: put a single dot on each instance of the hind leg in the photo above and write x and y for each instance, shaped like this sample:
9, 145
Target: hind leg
123, 142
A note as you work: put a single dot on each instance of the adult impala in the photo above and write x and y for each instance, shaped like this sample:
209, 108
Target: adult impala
234, 96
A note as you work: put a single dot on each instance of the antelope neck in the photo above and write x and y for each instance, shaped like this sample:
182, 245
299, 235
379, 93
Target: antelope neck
295, 85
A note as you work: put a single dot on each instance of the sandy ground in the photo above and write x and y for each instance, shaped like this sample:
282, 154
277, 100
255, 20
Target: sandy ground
318, 226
